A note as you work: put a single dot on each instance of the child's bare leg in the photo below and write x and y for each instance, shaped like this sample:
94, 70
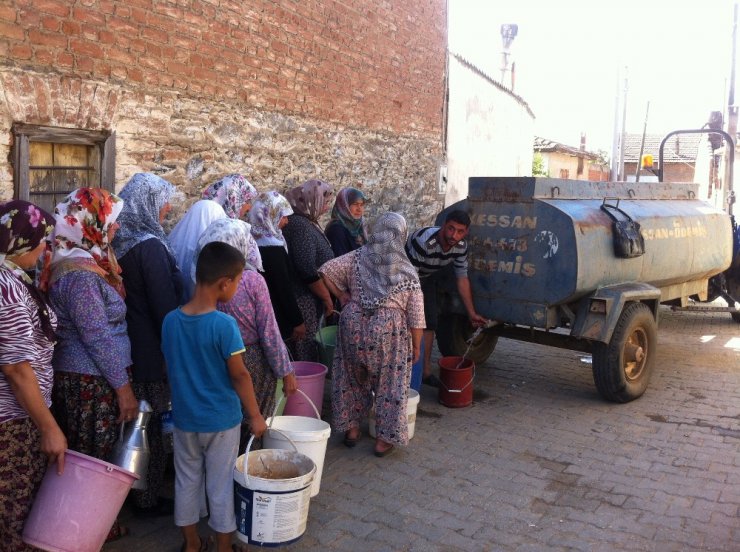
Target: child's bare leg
223, 543
192, 539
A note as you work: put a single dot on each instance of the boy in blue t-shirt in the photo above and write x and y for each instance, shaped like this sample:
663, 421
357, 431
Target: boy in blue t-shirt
210, 385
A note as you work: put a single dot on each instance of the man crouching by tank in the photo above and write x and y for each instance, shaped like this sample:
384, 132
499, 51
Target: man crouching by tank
431, 249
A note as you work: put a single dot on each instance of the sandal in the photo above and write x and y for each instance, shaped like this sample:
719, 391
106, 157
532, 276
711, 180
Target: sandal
381, 452
350, 442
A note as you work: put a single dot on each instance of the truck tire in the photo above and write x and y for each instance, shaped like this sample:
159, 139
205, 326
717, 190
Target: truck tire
622, 368
454, 330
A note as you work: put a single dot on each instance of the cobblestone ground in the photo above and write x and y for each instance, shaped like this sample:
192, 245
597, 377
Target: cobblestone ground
541, 462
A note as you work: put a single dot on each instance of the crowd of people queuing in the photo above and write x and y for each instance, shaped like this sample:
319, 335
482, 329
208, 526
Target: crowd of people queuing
204, 321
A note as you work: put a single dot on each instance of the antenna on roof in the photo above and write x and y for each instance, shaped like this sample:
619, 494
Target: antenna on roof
508, 34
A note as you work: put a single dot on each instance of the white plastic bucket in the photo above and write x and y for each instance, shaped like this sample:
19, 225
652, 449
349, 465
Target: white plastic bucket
309, 436
272, 495
411, 407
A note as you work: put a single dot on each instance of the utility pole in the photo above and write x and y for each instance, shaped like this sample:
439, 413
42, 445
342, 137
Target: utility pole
622, 176
642, 145
729, 193
614, 165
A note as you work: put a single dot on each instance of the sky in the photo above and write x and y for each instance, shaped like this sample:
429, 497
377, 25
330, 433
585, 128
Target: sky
572, 56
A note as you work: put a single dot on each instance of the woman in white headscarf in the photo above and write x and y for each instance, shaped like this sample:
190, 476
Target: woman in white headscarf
184, 237
265, 356
379, 336
268, 217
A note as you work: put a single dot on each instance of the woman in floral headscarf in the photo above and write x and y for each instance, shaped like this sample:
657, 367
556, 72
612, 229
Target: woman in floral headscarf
28, 432
234, 193
268, 217
265, 357
92, 393
380, 331
153, 288
308, 249
346, 229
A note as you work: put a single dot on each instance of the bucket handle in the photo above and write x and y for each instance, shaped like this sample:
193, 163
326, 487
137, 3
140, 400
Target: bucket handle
464, 387
282, 398
322, 319
245, 464
322, 324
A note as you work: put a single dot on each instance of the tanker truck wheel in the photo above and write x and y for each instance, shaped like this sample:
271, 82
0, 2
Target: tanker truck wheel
453, 331
622, 368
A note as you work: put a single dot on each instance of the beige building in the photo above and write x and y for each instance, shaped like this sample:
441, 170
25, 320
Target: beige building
562, 161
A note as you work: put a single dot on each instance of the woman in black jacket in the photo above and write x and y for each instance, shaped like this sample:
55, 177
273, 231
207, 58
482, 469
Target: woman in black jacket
154, 286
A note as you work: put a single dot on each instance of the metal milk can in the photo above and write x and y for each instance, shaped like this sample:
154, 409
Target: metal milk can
131, 451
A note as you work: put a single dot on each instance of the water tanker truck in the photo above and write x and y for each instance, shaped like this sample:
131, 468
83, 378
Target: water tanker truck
583, 266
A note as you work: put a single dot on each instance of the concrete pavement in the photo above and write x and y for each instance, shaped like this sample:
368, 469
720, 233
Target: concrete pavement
541, 462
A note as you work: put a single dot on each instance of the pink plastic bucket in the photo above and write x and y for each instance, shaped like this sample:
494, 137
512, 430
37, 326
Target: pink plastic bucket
73, 512
310, 378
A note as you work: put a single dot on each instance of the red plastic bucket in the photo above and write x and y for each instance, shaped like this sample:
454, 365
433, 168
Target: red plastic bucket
456, 381
73, 512
310, 378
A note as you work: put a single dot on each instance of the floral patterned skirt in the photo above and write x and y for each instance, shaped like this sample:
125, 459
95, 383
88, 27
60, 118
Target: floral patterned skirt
22, 467
86, 410
265, 385
373, 357
306, 349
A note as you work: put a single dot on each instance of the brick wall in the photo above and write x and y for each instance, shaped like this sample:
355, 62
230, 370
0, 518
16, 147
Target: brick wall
282, 91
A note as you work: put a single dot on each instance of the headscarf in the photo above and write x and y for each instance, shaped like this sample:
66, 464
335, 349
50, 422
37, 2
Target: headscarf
184, 236
234, 232
144, 196
310, 198
341, 213
265, 215
81, 235
23, 226
382, 265
232, 192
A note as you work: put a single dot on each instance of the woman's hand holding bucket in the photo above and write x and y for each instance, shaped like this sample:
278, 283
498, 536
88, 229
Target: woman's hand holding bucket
290, 384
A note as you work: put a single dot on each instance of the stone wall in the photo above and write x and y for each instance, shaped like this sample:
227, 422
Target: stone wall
349, 92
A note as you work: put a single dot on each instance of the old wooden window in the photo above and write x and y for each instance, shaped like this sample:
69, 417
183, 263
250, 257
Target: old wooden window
50, 162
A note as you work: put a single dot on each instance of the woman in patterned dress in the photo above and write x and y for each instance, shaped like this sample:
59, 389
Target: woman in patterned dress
92, 394
154, 287
234, 193
28, 432
265, 357
308, 249
379, 336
